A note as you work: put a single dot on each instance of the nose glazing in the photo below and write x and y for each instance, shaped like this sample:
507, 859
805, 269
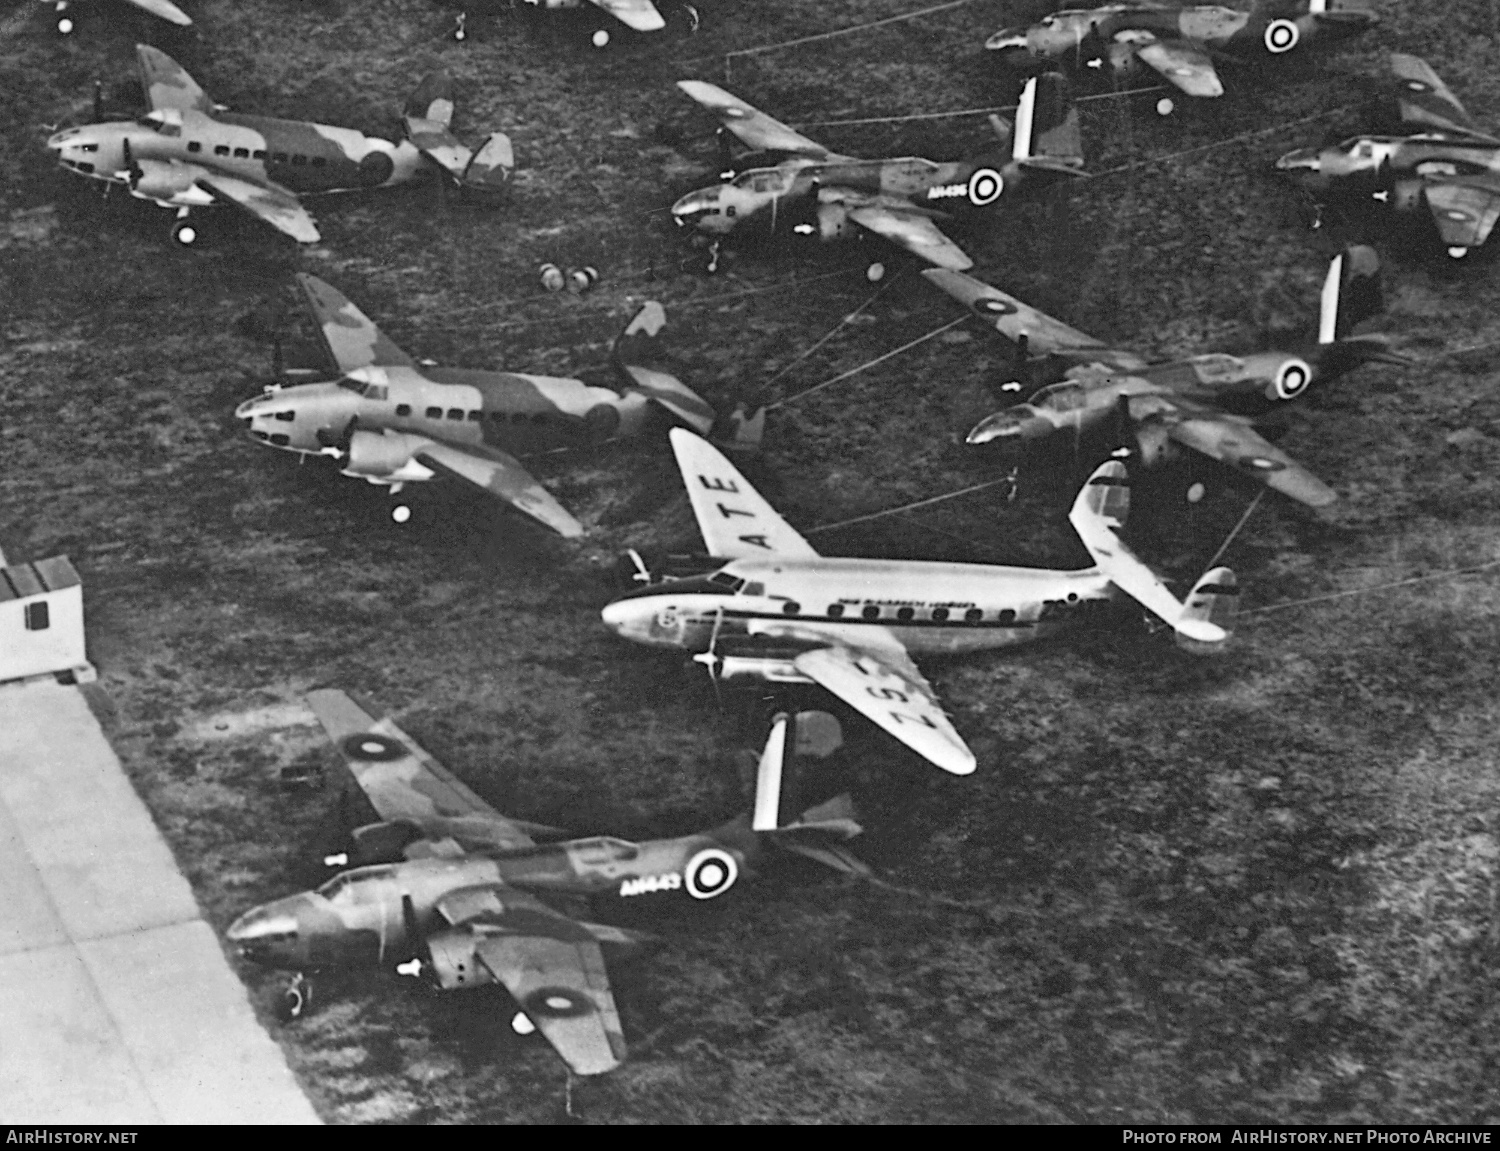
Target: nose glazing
1006, 38
1300, 160
1000, 426
257, 931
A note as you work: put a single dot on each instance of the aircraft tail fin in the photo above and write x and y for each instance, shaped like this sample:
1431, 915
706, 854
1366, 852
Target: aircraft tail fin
1098, 516
429, 118
817, 832
638, 342
1046, 135
1351, 293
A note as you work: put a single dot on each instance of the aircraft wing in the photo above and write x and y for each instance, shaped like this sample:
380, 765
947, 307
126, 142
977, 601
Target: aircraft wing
735, 519
1015, 320
351, 337
400, 779
1464, 208
752, 126
1182, 63
1424, 98
503, 477
640, 15
1243, 448
553, 968
167, 84
880, 682
913, 231
166, 10
274, 205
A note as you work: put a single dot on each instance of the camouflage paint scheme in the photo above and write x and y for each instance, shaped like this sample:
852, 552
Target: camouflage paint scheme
391, 421
1204, 402
1449, 164
791, 184
1176, 40
460, 901
776, 610
187, 153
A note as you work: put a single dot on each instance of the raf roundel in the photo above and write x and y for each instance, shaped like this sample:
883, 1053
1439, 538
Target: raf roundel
709, 873
556, 1003
985, 186
1292, 379
373, 748
993, 306
1281, 36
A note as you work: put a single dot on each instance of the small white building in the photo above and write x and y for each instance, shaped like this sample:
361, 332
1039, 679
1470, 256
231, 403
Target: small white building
41, 621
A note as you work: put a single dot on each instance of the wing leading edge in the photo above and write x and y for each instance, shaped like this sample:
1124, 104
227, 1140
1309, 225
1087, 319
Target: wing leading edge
736, 521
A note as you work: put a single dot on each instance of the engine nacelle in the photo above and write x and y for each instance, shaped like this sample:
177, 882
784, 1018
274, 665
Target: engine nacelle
455, 966
833, 222
384, 456
381, 842
160, 181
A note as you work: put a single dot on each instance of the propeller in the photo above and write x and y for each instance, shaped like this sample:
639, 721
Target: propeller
133, 171
710, 659
340, 441
726, 158
98, 101
1124, 429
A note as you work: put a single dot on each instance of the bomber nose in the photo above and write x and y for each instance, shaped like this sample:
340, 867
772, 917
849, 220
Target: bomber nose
1000, 426
692, 206
1006, 38
259, 931
1300, 160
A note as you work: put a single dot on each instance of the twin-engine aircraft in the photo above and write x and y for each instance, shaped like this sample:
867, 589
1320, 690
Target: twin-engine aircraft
390, 420
775, 610
1204, 402
454, 894
1178, 41
1448, 164
187, 152
792, 185
62, 10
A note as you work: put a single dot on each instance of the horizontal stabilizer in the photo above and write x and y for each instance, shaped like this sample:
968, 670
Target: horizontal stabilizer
1351, 292
432, 100
492, 164
1209, 612
672, 394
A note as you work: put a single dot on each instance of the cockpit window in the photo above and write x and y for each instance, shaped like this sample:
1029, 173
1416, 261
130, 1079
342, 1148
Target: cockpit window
1063, 397
353, 385
694, 586
733, 583
603, 849
342, 886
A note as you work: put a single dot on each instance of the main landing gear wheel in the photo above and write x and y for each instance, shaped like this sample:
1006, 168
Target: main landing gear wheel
296, 999
400, 513
1164, 106
184, 233
1457, 253
1196, 492
599, 39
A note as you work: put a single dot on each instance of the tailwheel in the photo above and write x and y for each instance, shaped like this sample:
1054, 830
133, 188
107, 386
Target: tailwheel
459, 32
183, 231
296, 999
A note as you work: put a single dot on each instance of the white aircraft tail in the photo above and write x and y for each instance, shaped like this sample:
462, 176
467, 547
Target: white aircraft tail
1098, 516
1046, 132
638, 343
1351, 293
815, 832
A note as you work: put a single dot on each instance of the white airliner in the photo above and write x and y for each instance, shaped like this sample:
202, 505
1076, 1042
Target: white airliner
776, 610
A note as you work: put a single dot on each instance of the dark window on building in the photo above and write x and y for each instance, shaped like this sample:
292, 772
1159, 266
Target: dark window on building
37, 616
221, 150
835, 610
242, 153
455, 413
434, 413
790, 608
940, 614
973, 615
403, 409
904, 613
194, 146
871, 612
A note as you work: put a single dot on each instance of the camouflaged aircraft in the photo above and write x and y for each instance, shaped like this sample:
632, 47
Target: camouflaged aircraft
791, 185
62, 10
456, 896
775, 610
390, 420
187, 152
1177, 41
1448, 164
1202, 402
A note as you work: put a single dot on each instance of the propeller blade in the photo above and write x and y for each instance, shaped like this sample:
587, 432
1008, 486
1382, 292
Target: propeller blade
416, 939
278, 360
98, 101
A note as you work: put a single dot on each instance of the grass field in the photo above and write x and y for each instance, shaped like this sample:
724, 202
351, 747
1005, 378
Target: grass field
1261, 887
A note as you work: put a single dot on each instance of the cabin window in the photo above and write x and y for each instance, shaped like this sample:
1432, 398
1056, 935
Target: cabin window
835, 610
790, 608
455, 413
755, 589
434, 413
1007, 616
904, 613
194, 146
518, 417
258, 154
475, 417
403, 409
298, 159
287, 416
539, 417
871, 612
37, 616
940, 614
724, 579
88, 147
242, 153
278, 157
973, 615
221, 149
319, 161
497, 417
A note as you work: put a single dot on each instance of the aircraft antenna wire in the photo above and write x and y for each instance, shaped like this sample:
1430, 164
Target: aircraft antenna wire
880, 359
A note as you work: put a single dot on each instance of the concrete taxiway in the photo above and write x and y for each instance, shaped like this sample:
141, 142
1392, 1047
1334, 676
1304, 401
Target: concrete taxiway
116, 1003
